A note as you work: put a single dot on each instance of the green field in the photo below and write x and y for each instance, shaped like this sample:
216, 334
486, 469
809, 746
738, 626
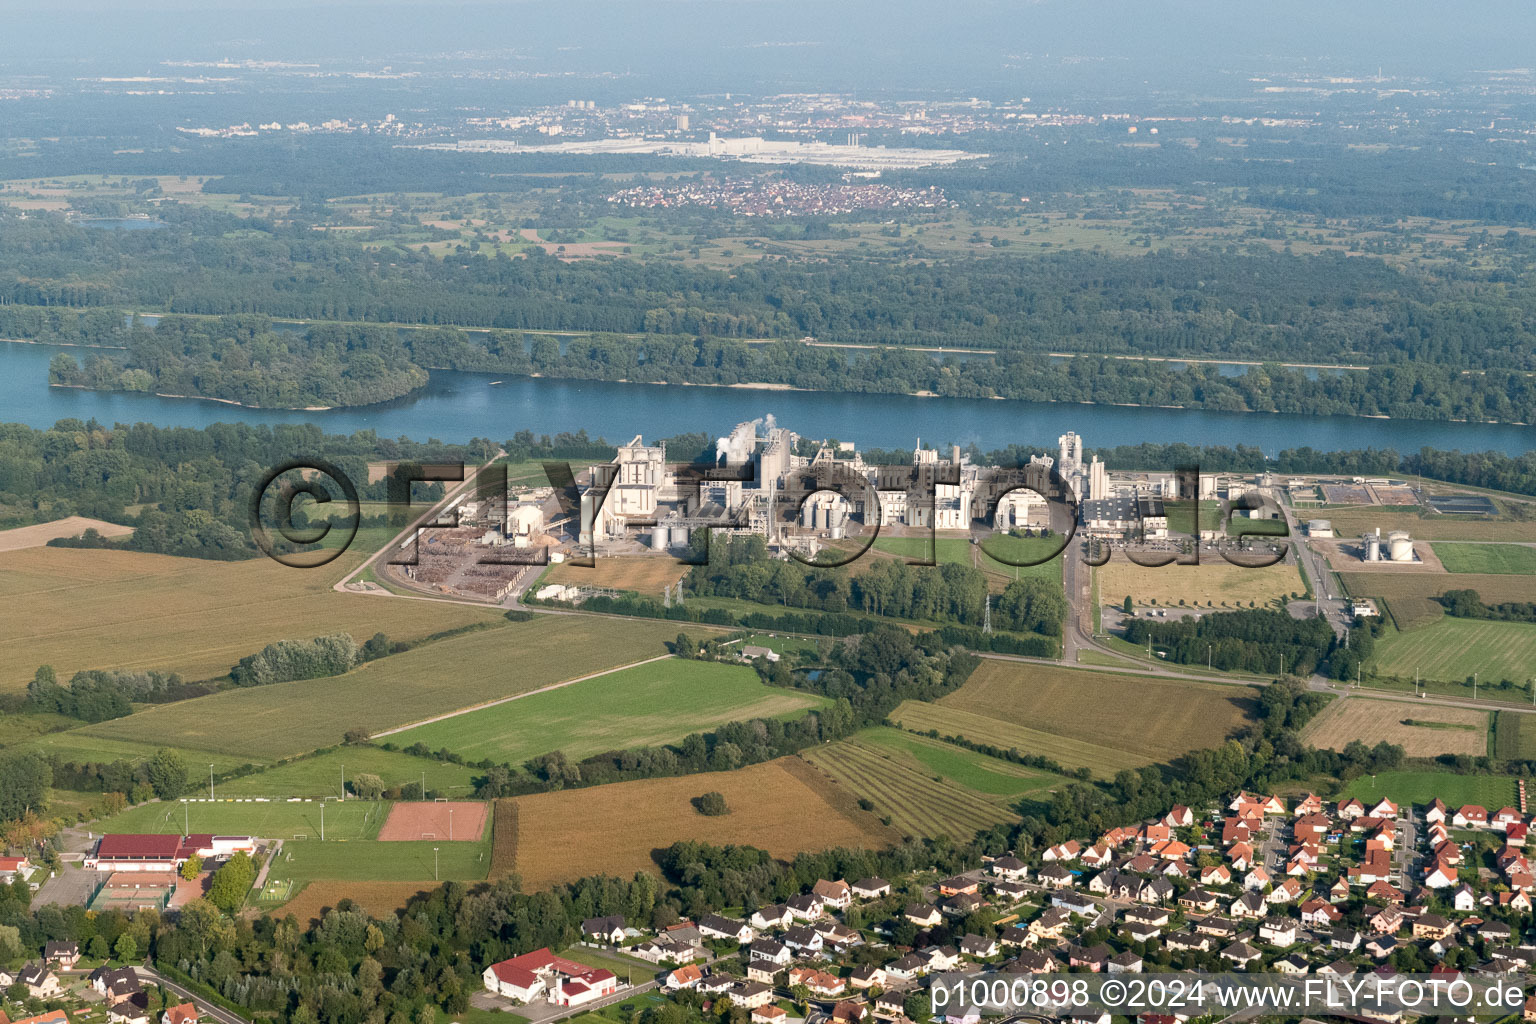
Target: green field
1515, 736
1453, 649
1408, 787
907, 779
263, 723
660, 702
989, 775
960, 550
1497, 559
367, 860
350, 820
82, 748
320, 776
785, 646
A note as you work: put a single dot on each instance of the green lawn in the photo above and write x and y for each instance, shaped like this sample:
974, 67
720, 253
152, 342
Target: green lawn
786, 646
1410, 787
1453, 649
320, 776
659, 702
1500, 559
352, 820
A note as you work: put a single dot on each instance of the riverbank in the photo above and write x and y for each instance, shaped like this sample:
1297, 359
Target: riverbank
209, 398
456, 406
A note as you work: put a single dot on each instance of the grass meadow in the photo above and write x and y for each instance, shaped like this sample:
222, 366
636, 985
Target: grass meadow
643, 705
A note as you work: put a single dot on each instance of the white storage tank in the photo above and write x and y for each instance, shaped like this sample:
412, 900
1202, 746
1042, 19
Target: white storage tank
1373, 547
1399, 546
679, 536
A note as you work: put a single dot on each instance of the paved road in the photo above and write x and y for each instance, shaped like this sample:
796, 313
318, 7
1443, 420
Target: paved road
204, 1008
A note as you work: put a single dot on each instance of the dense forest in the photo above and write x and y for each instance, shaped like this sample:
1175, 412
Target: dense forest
1232, 301
244, 359
186, 491
241, 359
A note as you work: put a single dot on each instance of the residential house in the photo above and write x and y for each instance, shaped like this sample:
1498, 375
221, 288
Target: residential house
42, 983
837, 895
62, 954
1346, 939
1278, 931
923, 915
849, 1012
1011, 868
905, 968
1319, 913
1054, 876
803, 941
1124, 963
1215, 874
1030, 961
835, 933
769, 1015
685, 977
1093, 958
1010, 891
114, 983
603, 929
1293, 964
776, 916
1179, 817
805, 908
1198, 900
1051, 924
767, 951
752, 995
1066, 851
1470, 816
1432, 926
871, 888
182, 1013
867, 976
714, 926
978, 947
1240, 955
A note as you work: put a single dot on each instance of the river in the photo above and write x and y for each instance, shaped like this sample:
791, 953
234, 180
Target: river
456, 406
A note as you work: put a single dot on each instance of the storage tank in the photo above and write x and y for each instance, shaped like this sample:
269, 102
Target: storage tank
679, 536
1399, 546
1372, 547
659, 539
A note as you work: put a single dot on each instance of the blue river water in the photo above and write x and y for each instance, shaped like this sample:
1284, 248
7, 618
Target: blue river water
456, 406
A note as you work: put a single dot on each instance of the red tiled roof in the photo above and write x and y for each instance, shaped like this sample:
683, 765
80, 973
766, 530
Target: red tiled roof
138, 847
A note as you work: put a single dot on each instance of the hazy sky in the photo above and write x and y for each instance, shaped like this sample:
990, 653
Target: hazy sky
952, 39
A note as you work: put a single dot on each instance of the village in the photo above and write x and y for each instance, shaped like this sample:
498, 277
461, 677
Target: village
1259, 884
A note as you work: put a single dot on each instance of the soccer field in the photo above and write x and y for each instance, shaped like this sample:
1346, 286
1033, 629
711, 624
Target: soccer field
350, 820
